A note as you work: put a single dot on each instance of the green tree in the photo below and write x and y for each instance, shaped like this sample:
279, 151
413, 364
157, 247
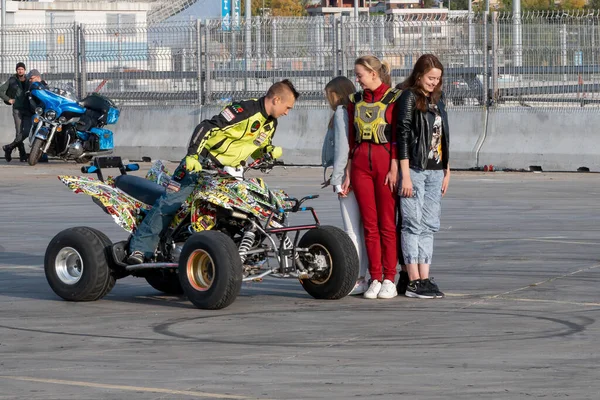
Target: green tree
594, 4
460, 4
528, 5
277, 8
572, 4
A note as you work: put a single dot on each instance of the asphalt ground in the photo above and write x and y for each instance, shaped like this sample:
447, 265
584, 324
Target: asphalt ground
517, 256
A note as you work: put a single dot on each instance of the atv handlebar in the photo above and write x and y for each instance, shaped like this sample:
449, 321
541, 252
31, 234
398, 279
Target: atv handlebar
90, 169
264, 164
298, 203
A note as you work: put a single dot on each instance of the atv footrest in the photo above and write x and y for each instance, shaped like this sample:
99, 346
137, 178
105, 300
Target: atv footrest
151, 266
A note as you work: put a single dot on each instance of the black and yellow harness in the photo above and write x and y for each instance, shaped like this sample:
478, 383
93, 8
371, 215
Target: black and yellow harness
369, 118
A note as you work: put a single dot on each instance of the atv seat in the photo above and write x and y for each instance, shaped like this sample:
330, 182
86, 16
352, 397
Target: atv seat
139, 188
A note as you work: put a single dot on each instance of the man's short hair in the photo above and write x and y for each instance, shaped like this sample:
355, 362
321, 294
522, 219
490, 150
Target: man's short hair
282, 89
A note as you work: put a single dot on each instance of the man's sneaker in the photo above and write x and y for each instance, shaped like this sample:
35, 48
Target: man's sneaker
373, 290
418, 290
388, 290
430, 283
360, 287
402, 282
7, 152
137, 257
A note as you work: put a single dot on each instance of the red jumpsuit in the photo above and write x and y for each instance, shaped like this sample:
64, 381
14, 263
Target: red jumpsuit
377, 203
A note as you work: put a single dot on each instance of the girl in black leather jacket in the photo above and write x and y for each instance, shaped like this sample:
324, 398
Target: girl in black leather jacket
423, 151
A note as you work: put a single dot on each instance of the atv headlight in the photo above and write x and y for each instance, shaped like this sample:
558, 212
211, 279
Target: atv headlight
39, 110
50, 115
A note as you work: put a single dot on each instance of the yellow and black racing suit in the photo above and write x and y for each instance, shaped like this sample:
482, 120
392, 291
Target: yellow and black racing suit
241, 130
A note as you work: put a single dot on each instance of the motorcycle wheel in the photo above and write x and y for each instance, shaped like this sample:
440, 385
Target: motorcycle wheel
210, 270
76, 264
332, 246
166, 282
36, 151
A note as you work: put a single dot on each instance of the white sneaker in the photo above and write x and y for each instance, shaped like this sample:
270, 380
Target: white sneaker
388, 290
360, 287
373, 290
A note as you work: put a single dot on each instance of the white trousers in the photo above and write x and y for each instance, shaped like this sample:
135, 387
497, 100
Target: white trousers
354, 228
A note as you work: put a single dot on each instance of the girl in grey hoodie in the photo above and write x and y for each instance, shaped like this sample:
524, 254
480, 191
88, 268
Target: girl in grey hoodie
335, 153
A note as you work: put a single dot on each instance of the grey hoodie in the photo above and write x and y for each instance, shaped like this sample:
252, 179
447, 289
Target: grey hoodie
336, 148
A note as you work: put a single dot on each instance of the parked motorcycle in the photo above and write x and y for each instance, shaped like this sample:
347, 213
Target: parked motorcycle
68, 128
230, 230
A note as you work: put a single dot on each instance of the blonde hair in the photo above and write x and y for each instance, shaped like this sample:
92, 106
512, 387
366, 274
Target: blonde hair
381, 68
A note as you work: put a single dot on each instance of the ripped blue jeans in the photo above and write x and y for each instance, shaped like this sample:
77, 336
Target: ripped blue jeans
421, 216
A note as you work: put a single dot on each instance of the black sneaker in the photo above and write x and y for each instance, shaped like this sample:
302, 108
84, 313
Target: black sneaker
7, 152
430, 283
137, 257
402, 282
418, 290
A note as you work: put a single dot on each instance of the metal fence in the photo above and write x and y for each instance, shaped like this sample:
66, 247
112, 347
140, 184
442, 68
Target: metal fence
539, 59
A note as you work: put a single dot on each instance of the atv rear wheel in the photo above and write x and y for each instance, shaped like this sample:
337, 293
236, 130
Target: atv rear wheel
165, 281
210, 270
77, 266
332, 249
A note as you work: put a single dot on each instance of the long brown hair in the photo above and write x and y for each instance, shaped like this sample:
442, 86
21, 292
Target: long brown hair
381, 68
338, 91
424, 64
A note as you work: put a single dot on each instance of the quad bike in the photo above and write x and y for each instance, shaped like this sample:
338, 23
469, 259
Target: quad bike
228, 231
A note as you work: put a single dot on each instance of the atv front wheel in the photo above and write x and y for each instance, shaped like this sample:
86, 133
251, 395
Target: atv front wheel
76, 264
333, 251
210, 270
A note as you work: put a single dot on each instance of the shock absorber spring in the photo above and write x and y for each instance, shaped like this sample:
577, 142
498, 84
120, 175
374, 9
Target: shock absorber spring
246, 244
287, 244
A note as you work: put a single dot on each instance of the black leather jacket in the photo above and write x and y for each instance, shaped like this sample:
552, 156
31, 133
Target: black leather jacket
415, 129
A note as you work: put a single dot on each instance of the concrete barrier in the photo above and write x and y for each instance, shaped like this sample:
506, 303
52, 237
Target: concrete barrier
7, 126
467, 128
556, 140
156, 132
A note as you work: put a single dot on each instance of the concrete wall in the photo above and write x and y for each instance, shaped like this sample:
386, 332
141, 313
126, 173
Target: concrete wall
557, 140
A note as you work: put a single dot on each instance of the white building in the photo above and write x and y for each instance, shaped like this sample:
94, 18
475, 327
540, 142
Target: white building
70, 11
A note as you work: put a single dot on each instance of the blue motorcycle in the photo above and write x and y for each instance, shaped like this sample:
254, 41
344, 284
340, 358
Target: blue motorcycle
67, 128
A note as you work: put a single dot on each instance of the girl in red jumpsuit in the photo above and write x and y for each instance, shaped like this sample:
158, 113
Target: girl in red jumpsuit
373, 170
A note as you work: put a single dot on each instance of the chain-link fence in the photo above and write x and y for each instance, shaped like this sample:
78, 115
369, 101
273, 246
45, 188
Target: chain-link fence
538, 59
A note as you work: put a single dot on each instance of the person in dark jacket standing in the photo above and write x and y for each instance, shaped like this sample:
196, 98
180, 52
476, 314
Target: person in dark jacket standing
423, 151
14, 92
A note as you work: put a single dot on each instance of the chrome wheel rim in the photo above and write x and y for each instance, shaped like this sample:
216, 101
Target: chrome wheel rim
69, 265
200, 270
322, 257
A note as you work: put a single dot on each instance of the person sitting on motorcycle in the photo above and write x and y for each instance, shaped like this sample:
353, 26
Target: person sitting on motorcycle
241, 130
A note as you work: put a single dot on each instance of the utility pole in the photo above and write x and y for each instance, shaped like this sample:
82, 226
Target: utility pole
3, 28
517, 34
471, 33
248, 35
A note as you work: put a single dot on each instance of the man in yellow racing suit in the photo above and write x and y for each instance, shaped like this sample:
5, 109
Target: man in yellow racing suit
241, 130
